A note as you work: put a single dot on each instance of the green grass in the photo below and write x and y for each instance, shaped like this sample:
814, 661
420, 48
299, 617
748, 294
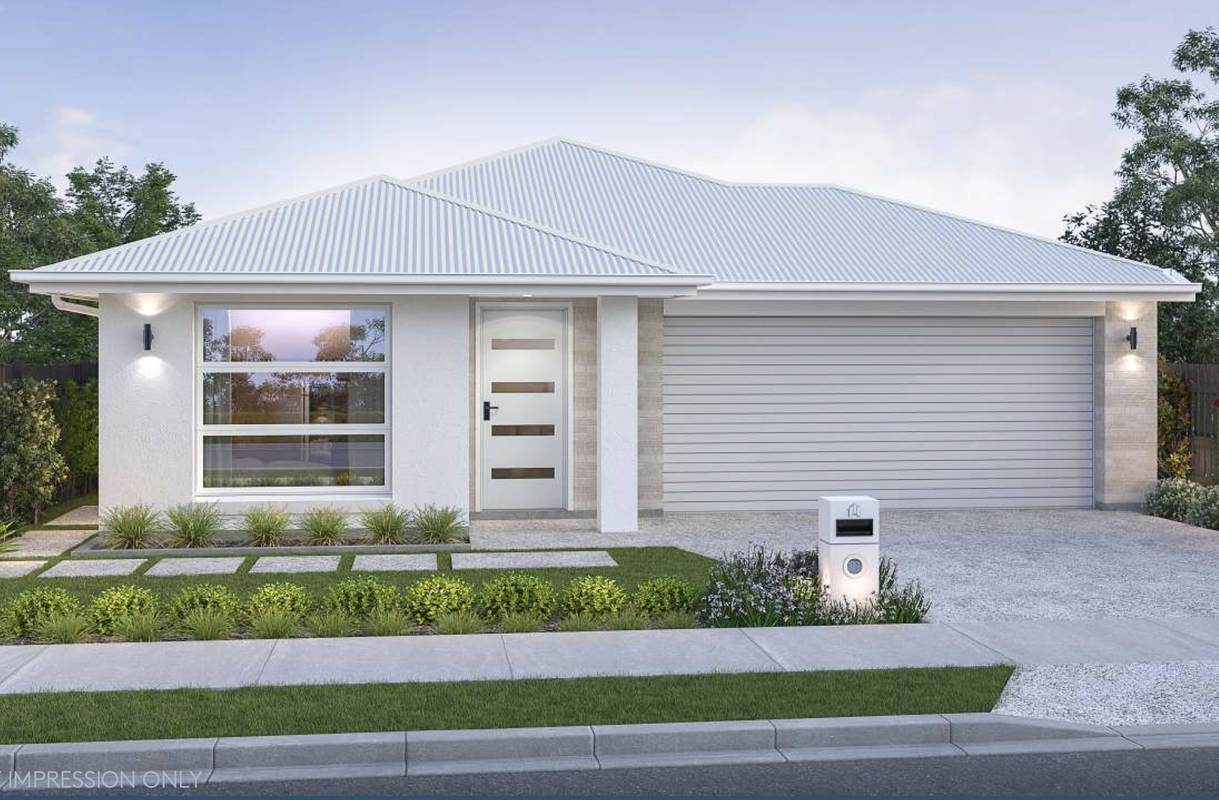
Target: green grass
635, 565
260, 711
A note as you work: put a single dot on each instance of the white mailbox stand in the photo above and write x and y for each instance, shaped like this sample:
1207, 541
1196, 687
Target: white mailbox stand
848, 547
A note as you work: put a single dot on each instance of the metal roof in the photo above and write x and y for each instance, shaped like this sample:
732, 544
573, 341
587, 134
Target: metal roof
767, 232
378, 226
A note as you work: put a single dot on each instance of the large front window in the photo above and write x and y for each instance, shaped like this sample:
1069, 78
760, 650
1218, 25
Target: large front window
292, 399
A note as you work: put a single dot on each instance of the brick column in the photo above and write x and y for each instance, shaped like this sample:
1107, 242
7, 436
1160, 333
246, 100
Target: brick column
1125, 405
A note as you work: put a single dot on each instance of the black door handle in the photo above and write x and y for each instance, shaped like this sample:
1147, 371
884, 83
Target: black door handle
487, 409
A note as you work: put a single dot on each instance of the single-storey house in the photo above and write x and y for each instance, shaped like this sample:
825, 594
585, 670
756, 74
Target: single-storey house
562, 329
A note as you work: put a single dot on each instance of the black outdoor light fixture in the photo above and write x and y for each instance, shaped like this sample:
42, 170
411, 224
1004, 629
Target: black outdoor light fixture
1133, 338
147, 335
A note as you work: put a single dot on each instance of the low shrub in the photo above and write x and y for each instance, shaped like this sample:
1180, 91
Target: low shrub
120, 601
325, 526
1174, 498
32, 606
385, 525
388, 622
359, 597
520, 622
286, 597
205, 597
436, 595
755, 589
207, 624
438, 524
266, 525
899, 604
273, 622
130, 527
453, 623
193, 524
61, 628
516, 592
578, 622
674, 620
659, 596
331, 624
1204, 512
594, 595
9, 529
628, 619
142, 626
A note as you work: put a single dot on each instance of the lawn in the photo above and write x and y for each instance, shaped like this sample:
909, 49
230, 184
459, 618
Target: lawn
258, 711
635, 565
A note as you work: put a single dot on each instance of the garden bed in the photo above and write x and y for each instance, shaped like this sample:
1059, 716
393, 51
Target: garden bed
234, 544
651, 588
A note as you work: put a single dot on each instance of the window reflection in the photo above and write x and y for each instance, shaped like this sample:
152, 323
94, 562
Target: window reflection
293, 398
293, 334
268, 461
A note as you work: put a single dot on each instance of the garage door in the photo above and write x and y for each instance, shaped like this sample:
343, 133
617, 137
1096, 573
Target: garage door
769, 413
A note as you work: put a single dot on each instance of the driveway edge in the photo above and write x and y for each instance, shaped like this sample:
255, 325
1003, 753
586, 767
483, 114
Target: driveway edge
454, 752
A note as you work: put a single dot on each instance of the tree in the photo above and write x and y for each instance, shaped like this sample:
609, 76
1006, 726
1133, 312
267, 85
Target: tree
31, 468
105, 206
1165, 209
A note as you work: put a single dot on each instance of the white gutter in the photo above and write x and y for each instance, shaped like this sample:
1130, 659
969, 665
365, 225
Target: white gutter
71, 307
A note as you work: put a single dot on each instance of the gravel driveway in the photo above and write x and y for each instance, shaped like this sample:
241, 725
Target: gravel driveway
976, 565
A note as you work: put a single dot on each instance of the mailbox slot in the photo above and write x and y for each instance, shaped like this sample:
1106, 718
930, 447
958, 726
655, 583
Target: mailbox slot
853, 527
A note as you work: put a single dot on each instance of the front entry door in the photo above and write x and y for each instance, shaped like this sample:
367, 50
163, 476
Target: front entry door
523, 408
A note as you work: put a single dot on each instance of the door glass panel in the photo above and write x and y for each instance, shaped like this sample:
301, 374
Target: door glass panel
521, 472
522, 344
522, 387
522, 430
293, 334
252, 461
293, 398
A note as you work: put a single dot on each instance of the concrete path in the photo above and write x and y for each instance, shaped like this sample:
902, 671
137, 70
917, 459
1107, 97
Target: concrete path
81, 515
40, 544
225, 664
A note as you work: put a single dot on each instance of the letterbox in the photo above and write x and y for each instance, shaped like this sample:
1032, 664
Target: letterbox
848, 547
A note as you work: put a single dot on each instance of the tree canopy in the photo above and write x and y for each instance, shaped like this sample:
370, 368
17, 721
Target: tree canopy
1165, 209
105, 206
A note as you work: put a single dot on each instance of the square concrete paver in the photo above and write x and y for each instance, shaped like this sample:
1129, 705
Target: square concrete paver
296, 564
17, 569
84, 515
93, 568
196, 566
47, 543
533, 560
413, 562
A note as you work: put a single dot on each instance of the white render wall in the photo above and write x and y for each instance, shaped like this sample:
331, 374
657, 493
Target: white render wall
147, 447
431, 401
145, 442
617, 414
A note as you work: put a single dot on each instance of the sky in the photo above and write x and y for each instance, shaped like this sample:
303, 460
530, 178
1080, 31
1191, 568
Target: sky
998, 111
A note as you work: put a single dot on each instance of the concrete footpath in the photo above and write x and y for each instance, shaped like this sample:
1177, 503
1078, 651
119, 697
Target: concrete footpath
398, 659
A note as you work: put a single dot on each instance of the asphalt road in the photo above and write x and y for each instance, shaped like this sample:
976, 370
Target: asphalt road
1153, 772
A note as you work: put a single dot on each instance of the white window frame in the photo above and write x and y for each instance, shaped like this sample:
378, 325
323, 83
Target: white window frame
290, 492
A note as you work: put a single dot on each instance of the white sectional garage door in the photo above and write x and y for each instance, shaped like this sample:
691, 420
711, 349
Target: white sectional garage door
769, 413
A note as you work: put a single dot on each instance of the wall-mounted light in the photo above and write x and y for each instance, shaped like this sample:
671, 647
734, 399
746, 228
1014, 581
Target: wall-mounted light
1133, 338
147, 335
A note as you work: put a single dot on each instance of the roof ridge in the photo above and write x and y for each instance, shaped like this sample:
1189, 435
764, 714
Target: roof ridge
604, 248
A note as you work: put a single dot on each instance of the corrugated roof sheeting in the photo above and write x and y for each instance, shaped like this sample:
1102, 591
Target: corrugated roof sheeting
373, 227
771, 233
